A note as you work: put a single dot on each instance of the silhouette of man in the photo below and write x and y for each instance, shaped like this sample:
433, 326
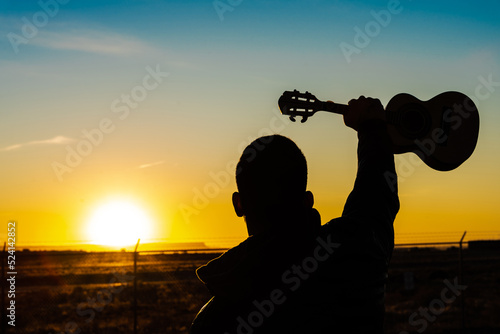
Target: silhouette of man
292, 274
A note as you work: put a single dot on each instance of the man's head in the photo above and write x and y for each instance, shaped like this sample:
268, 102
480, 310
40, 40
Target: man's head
271, 177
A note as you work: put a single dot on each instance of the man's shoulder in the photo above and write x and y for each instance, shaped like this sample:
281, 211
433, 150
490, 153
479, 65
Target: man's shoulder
343, 228
355, 238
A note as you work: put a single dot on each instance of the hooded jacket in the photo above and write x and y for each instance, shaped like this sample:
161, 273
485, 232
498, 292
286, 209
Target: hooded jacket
318, 279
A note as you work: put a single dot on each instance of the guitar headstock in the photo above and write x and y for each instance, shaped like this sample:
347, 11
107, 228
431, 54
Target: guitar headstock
298, 104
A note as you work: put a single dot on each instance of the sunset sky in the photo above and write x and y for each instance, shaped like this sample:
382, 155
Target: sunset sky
151, 103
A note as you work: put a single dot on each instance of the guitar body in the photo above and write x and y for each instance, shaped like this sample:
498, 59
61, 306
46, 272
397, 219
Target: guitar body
443, 131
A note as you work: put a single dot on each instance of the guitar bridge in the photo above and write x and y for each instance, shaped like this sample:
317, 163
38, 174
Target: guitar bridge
445, 126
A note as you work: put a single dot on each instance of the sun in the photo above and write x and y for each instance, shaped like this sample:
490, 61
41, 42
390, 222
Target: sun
118, 223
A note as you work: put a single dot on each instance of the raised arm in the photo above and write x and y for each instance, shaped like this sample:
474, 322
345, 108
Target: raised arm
373, 202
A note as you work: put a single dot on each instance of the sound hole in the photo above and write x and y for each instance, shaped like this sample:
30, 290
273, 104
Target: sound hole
414, 121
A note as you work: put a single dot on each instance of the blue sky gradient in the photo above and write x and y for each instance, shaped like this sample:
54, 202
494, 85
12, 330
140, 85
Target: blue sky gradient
225, 77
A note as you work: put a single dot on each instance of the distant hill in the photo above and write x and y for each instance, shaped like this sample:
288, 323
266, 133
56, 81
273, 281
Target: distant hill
484, 245
174, 246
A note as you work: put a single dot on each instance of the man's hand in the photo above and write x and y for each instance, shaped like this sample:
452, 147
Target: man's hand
363, 109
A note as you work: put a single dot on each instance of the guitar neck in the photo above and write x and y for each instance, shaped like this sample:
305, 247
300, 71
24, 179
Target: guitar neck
333, 107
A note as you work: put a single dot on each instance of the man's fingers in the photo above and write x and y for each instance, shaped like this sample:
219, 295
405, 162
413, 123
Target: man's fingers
377, 102
359, 99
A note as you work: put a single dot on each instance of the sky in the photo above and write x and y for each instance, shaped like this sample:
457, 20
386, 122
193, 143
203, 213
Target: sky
151, 103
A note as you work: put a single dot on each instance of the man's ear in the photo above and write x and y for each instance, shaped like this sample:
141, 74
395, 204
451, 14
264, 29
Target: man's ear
238, 208
308, 201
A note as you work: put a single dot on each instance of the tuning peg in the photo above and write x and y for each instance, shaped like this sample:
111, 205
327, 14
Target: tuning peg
304, 119
292, 119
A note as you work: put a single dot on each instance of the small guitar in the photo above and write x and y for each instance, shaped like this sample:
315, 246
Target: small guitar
443, 131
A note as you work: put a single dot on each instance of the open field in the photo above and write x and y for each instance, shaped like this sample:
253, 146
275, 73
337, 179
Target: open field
80, 292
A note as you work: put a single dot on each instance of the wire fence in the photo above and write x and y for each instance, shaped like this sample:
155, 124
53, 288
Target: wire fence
432, 288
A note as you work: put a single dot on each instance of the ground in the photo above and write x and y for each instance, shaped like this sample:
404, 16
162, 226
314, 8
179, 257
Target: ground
84, 292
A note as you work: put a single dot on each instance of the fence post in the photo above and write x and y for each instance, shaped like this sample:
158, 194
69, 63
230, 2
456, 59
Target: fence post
135, 286
461, 282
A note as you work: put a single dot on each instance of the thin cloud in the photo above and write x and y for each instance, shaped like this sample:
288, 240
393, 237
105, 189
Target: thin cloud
58, 140
152, 164
107, 43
